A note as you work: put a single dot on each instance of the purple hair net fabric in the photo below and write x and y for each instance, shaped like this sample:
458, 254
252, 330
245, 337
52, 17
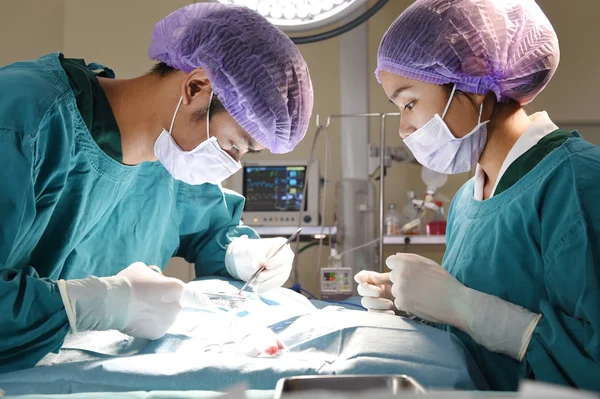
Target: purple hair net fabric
505, 46
255, 70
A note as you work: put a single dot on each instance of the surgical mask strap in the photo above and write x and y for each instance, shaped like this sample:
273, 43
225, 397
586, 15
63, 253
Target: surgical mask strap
208, 115
449, 101
175, 114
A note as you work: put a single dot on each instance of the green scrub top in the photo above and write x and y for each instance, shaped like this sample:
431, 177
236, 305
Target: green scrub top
529, 160
68, 210
93, 105
536, 243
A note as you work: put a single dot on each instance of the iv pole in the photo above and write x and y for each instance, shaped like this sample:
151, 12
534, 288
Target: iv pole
383, 118
382, 184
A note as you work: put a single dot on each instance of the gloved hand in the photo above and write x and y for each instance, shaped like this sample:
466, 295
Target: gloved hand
425, 289
244, 256
376, 291
137, 301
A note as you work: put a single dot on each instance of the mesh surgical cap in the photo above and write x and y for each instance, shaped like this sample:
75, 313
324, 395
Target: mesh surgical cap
505, 46
254, 68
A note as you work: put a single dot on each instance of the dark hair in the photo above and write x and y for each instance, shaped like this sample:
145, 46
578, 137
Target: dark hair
216, 106
162, 69
509, 106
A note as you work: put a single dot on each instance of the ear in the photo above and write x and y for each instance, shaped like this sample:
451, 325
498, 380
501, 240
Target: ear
473, 100
195, 85
489, 103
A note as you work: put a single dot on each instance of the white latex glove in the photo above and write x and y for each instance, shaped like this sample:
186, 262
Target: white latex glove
244, 256
137, 301
376, 291
425, 289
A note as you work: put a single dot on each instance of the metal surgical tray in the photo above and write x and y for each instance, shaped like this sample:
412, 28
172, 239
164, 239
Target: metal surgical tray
392, 384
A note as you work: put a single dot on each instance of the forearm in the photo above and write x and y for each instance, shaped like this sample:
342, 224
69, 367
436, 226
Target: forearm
33, 322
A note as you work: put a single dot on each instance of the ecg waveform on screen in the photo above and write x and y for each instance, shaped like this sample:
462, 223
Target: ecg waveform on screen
259, 197
255, 184
273, 188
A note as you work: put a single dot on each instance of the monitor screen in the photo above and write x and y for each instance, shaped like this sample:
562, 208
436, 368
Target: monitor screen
274, 188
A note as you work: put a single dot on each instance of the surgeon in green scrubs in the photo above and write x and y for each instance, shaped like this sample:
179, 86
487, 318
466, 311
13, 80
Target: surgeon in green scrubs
101, 177
520, 281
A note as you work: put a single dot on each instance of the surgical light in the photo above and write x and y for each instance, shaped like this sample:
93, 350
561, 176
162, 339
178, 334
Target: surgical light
301, 15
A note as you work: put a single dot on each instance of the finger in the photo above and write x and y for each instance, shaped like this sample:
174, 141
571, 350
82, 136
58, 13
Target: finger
377, 303
365, 289
390, 312
191, 297
362, 276
267, 275
395, 261
173, 282
155, 269
172, 291
381, 278
285, 257
275, 244
134, 268
277, 279
402, 306
370, 277
273, 282
394, 277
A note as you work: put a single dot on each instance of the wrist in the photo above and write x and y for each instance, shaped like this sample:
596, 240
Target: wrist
498, 325
238, 259
96, 303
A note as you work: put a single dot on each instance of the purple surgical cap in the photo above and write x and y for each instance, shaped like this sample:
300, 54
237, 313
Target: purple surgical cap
254, 68
505, 46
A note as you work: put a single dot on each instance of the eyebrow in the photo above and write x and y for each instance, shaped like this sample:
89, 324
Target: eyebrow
398, 91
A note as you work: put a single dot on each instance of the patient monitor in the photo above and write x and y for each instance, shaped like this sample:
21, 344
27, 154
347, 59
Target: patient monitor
274, 190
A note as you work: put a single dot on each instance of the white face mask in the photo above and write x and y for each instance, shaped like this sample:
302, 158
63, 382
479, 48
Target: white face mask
436, 148
207, 163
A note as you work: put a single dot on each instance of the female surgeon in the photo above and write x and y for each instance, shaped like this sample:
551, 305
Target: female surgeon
520, 280
91, 180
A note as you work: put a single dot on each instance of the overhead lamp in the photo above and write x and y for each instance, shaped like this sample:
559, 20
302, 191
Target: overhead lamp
301, 15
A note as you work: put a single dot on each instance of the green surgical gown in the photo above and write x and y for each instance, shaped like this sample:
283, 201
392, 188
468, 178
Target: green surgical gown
92, 104
536, 243
68, 210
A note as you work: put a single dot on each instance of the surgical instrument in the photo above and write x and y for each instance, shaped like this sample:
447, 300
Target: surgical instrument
263, 267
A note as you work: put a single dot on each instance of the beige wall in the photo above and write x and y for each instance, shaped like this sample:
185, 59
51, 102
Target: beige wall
574, 92
117, 33
30, 28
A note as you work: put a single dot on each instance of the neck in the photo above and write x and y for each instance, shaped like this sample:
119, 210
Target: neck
502, 136
139, 108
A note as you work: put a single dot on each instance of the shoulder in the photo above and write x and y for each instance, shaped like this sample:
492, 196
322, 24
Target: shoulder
583, 158
568, 192
581, 172
30, 90
576, 173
